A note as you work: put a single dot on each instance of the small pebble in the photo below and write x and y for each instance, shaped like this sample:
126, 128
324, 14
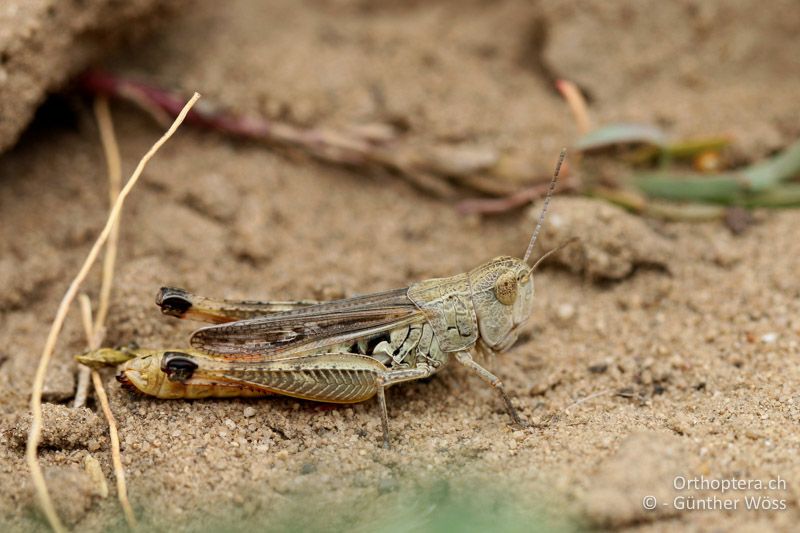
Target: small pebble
92, 467
59, 384
598, 368
678, 424
566, 311
249, 412
769, 338
73, 490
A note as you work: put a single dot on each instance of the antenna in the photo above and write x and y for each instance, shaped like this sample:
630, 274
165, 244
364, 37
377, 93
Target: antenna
551, 252
546, 204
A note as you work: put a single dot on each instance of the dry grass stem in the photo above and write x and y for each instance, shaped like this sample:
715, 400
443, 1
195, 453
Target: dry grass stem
102, 397
113, 162
116, 457
577, 104
95, 331
82, 389
86, 319
34, 435
586, 399
111, 150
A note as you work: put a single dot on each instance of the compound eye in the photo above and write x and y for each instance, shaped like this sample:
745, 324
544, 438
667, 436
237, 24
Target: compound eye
505, 288
178, 366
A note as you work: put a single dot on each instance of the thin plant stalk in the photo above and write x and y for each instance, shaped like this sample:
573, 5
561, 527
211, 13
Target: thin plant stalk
95, 331
116, 457
113, 162
35, 432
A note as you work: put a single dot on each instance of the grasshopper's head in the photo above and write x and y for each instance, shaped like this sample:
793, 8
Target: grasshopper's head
502, 292
502, 289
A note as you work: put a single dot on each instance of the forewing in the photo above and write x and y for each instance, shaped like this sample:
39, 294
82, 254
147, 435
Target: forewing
309, 328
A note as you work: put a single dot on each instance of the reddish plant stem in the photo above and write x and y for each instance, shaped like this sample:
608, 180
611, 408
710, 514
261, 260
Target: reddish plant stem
159, 102
439, 171
496, 206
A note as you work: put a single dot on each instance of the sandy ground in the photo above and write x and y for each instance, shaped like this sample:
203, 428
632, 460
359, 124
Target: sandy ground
686, 365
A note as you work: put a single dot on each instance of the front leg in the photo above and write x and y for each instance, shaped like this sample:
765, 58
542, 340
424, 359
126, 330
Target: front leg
465, 358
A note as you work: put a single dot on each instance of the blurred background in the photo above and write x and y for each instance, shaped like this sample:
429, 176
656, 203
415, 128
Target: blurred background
350, 146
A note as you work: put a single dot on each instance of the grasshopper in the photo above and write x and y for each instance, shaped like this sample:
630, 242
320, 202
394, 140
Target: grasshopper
341, 351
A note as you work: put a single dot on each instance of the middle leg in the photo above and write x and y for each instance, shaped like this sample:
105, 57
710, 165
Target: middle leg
390, 378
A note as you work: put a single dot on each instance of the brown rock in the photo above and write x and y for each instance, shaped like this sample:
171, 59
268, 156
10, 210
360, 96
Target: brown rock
42, 44
59, 384
612, 242
72, 491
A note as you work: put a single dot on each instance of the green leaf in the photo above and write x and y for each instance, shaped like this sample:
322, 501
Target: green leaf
758, 184
616, 134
